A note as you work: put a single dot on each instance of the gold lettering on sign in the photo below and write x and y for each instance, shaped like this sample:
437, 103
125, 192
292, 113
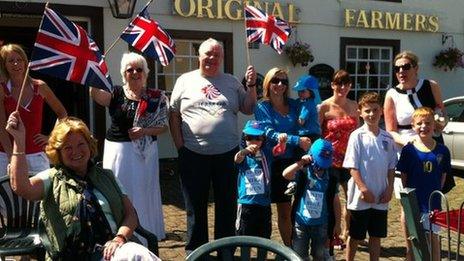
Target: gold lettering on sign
349, 17
362, 19
178, 8
391, 21
407, 22
232, 9
206, 7
238, 13
376, 20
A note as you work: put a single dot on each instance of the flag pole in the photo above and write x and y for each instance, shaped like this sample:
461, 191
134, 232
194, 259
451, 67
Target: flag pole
119, 37
246, 40
26, 75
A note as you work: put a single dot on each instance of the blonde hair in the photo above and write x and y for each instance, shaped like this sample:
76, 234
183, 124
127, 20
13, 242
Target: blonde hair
422, 112
60, 133
412, 57
267, 83
128, 58
5, 51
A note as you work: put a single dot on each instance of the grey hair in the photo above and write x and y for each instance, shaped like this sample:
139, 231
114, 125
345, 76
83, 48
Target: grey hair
204, 46
128, 58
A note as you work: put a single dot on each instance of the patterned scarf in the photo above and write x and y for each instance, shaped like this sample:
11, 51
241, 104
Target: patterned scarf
151, 112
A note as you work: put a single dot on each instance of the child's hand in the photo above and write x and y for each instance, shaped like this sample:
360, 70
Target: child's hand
306, 160
301, 122
253, 148
367, 196
305, 143
282, 138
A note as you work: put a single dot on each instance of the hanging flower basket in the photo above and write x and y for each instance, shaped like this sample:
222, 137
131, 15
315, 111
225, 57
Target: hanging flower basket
299, 53
449, 59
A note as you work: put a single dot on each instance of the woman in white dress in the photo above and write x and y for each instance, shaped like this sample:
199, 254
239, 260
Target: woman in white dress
138, 115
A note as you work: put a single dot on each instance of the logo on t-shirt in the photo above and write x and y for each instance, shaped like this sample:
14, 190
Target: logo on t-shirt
211, 92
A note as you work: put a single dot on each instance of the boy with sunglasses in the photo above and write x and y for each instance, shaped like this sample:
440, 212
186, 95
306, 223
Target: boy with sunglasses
310, 207
371, 157
254, 199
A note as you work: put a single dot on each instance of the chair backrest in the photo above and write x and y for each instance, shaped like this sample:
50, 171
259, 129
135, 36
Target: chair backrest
16, 213
226, 247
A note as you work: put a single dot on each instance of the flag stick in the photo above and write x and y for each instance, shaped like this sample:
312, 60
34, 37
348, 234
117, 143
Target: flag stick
119, 37
246, 40
26, 75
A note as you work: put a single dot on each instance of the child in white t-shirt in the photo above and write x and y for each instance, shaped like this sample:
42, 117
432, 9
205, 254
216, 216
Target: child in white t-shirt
371, 157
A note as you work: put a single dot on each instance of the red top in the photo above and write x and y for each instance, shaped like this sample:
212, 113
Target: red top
31, 115
338, 131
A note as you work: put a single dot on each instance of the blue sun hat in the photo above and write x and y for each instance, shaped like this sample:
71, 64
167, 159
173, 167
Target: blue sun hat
322, 151
308, 82
253, 127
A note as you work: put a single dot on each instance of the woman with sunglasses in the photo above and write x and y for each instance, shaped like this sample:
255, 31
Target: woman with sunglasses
400, 102
338, 117
138, 115
279, 114
410, 93
36, 92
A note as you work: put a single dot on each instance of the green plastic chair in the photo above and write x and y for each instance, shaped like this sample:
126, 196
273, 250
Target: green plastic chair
225, 247
19, 217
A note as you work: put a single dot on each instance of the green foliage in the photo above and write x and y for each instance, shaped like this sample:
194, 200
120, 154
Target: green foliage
299, 52
449, 59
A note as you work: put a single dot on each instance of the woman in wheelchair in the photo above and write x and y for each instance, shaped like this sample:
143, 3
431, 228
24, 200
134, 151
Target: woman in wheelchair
84, 210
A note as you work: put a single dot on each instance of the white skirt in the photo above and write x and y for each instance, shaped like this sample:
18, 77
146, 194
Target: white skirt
140, 179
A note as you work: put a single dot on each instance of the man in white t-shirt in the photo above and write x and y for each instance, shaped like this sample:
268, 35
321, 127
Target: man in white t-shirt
371, 157
203, 123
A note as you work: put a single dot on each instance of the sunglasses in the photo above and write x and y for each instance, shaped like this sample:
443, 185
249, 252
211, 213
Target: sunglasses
405, 67
276, 80
254, 137
131, 70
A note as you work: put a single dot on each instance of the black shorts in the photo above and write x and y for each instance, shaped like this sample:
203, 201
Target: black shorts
254, 220
278, 182
342, 175
371, 220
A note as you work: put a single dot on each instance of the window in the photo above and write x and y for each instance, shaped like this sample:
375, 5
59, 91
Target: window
455, 111
186, 58
369, 63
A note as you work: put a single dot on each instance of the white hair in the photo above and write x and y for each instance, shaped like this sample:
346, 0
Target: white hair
206, 45
128, 58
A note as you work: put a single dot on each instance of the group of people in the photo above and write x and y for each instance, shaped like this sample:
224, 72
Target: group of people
294, 153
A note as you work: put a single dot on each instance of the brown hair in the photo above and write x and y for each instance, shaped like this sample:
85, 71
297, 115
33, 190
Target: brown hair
60, 132
267, 83
7, 49
412, 57
341, 77
369, 97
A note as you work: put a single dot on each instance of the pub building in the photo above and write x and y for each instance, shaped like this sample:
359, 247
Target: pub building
361, 36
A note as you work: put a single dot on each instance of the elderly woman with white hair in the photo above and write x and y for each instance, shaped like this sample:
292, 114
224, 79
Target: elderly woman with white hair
138, 115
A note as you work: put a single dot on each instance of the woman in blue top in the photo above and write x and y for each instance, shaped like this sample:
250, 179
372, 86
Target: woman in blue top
278, 113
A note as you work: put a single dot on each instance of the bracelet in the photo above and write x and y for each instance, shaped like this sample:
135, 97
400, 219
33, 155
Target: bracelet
121, 236
18, 153
251, 86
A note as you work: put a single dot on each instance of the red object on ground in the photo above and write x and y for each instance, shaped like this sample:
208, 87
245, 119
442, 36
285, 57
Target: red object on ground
439, 218
279, 149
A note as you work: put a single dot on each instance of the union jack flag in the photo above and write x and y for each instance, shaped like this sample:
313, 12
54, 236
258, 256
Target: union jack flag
147, 36
266, 29
64, 50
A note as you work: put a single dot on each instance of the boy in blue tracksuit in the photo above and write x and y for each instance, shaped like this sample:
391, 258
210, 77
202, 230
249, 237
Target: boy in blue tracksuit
311, 213
254, 200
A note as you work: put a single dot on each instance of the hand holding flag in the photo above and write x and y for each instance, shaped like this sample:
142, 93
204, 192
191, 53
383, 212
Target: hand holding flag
266, 29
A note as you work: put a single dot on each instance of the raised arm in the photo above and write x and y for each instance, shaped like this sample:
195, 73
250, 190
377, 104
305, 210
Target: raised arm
249, 103
100, 96
290, 171
31, 189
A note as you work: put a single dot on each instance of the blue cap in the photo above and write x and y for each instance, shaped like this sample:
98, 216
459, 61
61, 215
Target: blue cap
254, 128
306, 82
322, 151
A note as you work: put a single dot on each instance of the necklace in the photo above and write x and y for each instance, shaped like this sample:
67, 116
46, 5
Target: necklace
131, 94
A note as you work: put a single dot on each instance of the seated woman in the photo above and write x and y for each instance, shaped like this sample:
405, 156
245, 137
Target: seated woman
83, 208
